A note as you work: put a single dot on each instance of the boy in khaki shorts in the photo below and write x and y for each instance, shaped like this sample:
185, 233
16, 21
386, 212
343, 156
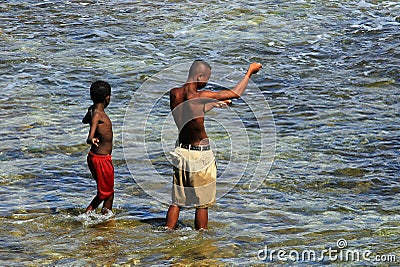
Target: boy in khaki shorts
194, 182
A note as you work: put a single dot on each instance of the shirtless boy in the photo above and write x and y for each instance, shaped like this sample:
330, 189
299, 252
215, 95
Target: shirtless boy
100, 137
194, 181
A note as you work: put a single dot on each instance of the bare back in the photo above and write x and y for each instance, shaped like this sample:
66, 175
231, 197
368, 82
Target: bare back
188, 113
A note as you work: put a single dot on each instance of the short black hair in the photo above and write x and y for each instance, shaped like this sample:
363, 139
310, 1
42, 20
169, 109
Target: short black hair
99, 90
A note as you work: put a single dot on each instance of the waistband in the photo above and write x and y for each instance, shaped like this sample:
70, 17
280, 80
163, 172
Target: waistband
99, 155
193, 147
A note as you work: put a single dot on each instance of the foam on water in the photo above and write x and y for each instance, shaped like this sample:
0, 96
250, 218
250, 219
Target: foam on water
331, 79
93, 218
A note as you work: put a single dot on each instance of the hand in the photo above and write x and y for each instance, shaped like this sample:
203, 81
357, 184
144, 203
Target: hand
253, 68
94, 141
223, 104
226, 103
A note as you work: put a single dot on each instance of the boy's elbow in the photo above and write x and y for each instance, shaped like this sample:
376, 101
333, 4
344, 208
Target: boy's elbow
235, 95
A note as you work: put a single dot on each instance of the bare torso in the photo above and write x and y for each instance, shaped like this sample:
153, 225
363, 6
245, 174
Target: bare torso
188, 113
103, 131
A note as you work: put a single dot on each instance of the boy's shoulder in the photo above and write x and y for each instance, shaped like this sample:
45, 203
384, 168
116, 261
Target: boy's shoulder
176, 90
101, 115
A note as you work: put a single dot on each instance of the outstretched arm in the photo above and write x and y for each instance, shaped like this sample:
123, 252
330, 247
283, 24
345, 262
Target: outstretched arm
237, 91
241, 86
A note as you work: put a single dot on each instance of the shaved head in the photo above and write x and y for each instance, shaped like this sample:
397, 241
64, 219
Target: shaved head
199, 67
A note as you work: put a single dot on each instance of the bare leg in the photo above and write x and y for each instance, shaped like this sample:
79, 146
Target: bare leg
172, 216
94, 204
201, 218
108, 202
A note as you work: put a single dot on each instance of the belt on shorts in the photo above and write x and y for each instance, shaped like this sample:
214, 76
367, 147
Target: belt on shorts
193, 147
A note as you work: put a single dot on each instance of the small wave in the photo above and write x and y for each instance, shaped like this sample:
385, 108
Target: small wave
92, 218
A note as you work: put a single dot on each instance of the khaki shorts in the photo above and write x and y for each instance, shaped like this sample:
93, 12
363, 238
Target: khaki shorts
194, 181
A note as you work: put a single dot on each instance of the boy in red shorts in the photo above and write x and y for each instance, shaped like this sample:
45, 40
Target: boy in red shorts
100, 137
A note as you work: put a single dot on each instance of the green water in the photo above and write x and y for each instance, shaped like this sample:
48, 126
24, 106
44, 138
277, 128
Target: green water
330, 77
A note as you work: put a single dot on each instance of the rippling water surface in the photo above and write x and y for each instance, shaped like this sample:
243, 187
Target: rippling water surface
330, 76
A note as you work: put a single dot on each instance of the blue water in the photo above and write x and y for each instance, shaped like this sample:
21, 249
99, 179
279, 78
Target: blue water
330, 78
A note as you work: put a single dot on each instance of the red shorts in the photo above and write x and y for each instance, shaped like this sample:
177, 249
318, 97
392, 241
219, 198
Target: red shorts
102, 171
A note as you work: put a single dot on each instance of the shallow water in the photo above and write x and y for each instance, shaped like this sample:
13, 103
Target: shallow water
331, 79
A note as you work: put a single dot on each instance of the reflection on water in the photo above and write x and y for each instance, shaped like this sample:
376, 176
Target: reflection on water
330, 76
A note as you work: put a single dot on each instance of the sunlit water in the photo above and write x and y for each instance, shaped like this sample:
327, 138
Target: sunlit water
330, 76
